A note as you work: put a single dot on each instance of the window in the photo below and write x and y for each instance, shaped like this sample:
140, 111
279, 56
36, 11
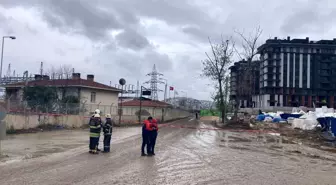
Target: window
93, 97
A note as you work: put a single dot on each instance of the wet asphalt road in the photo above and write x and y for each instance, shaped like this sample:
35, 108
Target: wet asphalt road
184, 156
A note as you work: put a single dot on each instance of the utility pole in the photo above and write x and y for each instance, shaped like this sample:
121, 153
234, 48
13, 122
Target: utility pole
122, 82
165, 92
140, 105
137, 91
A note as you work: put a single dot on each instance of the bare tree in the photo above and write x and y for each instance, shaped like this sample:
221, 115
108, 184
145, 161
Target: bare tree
216, 66
61, 72
226, 92
247, 79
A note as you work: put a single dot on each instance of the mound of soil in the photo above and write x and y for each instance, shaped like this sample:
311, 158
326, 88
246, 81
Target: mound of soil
209, 118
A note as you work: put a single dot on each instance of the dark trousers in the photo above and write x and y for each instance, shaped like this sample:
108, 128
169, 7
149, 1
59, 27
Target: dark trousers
107, 143
145, 143
98, 143
93, 143
153, 140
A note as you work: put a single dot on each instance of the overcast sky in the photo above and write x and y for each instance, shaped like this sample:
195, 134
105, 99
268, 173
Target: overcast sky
125, 38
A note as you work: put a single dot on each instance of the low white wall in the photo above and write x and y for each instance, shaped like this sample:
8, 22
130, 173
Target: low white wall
18, 121
21, 121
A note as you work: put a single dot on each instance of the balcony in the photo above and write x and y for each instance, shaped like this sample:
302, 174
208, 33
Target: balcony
271, 66
325, 67
325, 74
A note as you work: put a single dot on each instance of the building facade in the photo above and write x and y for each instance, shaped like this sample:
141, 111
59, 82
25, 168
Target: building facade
239, 89
90, 93
297, 72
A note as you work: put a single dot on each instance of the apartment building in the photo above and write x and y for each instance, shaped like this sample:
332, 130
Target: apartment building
238, 84
297, 72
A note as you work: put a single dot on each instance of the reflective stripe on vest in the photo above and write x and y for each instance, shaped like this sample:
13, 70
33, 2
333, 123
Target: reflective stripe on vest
94, 127
94, 134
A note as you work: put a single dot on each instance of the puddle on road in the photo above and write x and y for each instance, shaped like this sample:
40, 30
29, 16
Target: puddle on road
27, 146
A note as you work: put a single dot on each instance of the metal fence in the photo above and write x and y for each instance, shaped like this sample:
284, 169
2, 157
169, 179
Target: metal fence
129, 114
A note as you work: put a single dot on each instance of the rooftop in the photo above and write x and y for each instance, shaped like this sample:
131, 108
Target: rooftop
299, 41
238, 64
76, 81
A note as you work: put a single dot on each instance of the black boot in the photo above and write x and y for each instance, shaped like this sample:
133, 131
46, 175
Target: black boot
150, 154
143, 154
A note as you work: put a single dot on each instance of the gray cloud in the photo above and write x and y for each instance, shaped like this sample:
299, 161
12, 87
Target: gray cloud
131, 54
82, 15
132, 39
308, 20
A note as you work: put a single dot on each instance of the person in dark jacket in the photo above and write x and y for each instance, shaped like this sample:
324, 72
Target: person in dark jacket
107, 129
97, 111
95, 129
146, 129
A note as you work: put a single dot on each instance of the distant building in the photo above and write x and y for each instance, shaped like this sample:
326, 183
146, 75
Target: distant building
238, 83
297, 72
149, 107
87, 90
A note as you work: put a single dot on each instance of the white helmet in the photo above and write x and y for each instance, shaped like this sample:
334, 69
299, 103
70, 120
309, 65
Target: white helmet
108, 116
97, 111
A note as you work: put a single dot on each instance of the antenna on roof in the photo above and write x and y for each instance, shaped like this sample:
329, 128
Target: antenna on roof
41, 69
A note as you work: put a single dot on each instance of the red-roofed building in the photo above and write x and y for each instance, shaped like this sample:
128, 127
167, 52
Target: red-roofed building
87, 90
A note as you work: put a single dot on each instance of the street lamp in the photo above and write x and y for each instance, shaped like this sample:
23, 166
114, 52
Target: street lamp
2, 52
122, 82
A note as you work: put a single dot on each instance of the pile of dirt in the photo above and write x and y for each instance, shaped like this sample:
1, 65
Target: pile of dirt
307, 137
209, 118
301, 136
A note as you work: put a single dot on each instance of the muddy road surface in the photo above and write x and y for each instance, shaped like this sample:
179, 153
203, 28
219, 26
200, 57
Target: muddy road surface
195, 155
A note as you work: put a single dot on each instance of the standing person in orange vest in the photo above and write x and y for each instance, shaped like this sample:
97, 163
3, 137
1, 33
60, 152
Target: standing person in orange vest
153, 134
146, 133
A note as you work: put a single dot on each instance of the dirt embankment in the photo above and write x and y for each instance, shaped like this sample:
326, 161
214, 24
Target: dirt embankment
209, 118
292, 136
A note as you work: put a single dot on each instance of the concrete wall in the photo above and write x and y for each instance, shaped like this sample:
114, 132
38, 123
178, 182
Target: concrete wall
168, 114
18, 122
